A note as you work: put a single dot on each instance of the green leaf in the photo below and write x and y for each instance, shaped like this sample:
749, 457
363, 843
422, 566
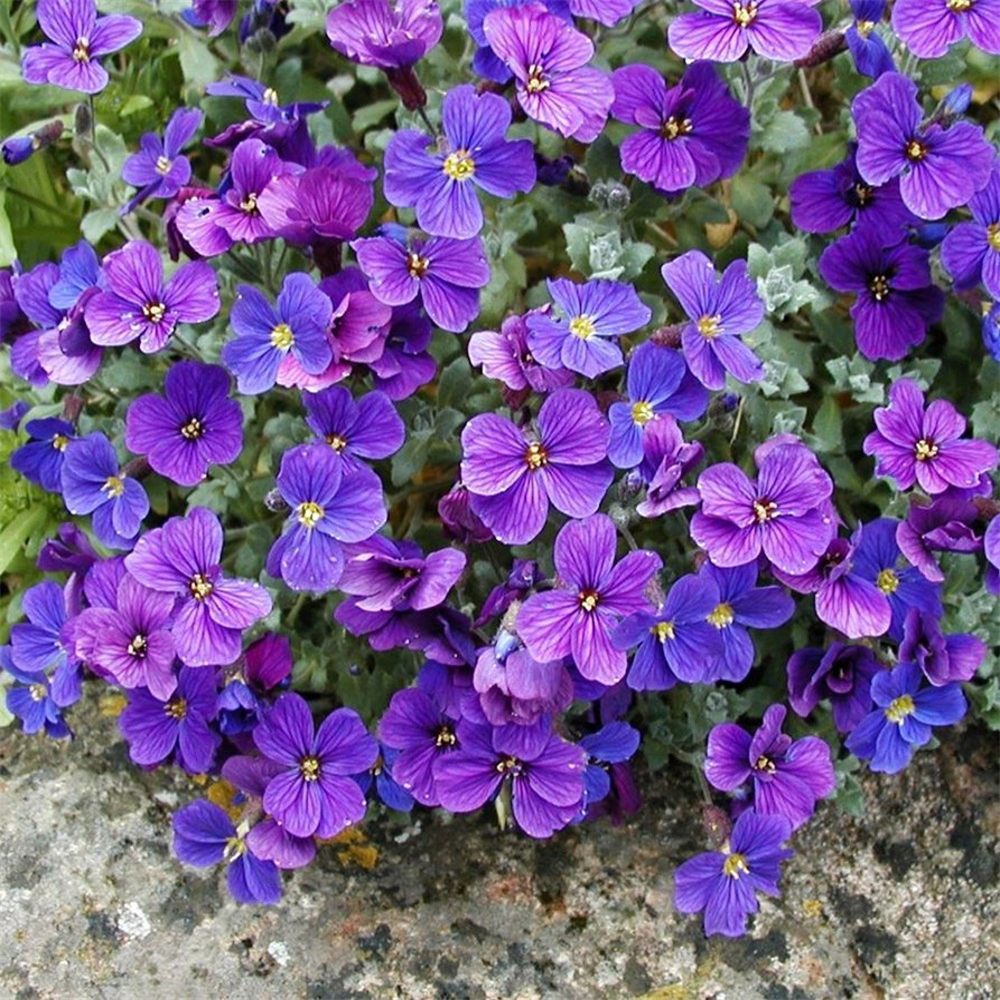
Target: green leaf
783, 133
372, 114
17, 532
753, 202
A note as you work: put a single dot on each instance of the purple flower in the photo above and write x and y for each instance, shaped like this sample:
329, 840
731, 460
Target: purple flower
204, 836
825, 200
656, 385
267, 664
388, 35
787, 775
158, 169
692, 134
545, 774
677, 642
79, 38
41, 459
896, 298
971, 250
267, 335
458, 519
991, 332
991, 549
366, 428
93, 483
330, 504
942, 658
405, 364
723, 30
607, 751
445, 274
440, 181
549, 58
216, 15
194, 424
914, 445
938, 168
37, 645
785, 513
594, 594
504, 355
513, 476
314, 793
137, 303
182, 558
724, 883
841, 675
157, 727
930, 27
868, 50
593, 314
720, 312
33, 703
905, 713
667, 459
944, 525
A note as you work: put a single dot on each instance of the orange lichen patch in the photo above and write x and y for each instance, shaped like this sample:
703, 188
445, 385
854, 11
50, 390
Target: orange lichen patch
222, 793
112, 705
353, 848
812, 908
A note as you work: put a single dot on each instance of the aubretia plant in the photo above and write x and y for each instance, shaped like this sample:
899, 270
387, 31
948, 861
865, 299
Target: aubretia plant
484, 405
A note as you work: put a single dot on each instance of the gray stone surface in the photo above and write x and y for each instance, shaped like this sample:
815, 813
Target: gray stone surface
902, 904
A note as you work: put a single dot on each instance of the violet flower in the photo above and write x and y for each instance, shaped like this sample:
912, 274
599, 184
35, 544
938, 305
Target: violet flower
504, 355
928, 28
666, 460
917, 445
366, 428
991, 549
939, 168
439, 181
594, 594
720, 312
788, 776
942, 658
549, 60
79, 38
38, 646
906, 710
868, 50
485, 62
514, 476
390, 35
158, 169
266, 665
31, 701
691, 135
136, 302
971, 250
182, 558
592, 314
405, 364
607, 751
841, 675
944, 525
216, 15
314, 792
329, 505
723, 30
606, 12
194, 424
41, 460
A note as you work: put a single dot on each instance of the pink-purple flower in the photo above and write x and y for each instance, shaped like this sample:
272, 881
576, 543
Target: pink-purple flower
928, 28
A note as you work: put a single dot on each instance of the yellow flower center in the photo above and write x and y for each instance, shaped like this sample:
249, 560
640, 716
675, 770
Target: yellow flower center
710, 326
154, 311
744, 14
282, 337
764, 763
642, 413
192, 430
663, 631
507, 764
113, 486
879, 287
81, 51
235, 848
199, 587
899, 709
336, 442
863, 193
887, 581
589, 599
865, 28
137, 647
459, 166
310, 514
417, 265
59, 442
925, 449
163, 165
582, 327
735, 865
764, 510
176, 708
249, 204
721, 616
993, 236
959, 5
915, 150
535, 456
309, 768
270, 96
672, 128
37, 692
445, 737
536, 79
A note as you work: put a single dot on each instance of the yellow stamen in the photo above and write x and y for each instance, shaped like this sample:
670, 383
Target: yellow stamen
879, 286
154, 311
459, 166
192, 430
199, 587
642, 413
710, 326
887, 581
536, 456
589, 599
163, 165
417, 265
925, 449
735, 865
536, 80
81, 51
722, 616
176, 708
993, 236
113, 486
764, 510
310, 514
282, 337
915, 150
582, 327
899, 709
744, 14
672, 128
59, 442
663, 631
309, 768
336, 442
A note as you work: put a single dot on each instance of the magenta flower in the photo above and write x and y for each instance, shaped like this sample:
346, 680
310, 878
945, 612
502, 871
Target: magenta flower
723, 30
390, 35
594, 594
841, 675
504, 355
314, 793
79, 38
930, 27
549, 58
514, 476
914, 445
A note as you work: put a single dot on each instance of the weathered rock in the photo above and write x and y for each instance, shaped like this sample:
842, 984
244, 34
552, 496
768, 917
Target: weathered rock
901, 904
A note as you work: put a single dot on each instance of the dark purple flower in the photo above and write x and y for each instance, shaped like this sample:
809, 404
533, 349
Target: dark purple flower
666, 460
723, 30
330, 504
593, 314
868, 49
366, 428
971, 250
69, 552
458, 519
549, 59
444, 274
504, 355
939, 168
156, 727
266, 665
204, 835
991, 332
944, 525
724, 883
788, 776
906, 710
266, 335
785, 513
720, 313
545, 774
79, 38
930, 27
11, 416
524, 575
439, 180
216, 15
262, 104
137, 303
677, 642
17, 149
314, 793
594, 594
390, 35
991, 549
182, 558
513, 476
194, 424
93, 483
692, 134
158, 169
41, 459
405, 364
841, 675
896, 298
607, 751
942, 658
923, 446
485, 62
606, 12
